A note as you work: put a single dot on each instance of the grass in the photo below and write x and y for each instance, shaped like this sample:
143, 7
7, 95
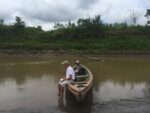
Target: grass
90, 45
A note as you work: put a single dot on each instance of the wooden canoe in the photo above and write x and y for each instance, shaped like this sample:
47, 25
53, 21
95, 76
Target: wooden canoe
80, 89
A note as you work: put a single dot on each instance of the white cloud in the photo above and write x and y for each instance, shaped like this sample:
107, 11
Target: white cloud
47, 12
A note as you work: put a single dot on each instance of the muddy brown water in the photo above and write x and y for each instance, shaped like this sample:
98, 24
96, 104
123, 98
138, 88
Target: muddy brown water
29, 85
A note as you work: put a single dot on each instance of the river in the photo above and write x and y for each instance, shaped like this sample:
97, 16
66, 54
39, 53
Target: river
28, 84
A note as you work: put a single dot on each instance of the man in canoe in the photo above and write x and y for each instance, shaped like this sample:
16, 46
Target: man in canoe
69, 77
79, 70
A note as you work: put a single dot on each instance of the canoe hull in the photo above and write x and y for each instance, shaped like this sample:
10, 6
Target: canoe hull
80, 98
80, 93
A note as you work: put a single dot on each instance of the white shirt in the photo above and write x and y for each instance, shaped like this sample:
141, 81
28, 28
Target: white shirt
70, 71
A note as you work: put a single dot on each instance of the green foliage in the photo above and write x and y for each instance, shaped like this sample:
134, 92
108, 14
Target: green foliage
147, 13
148, 16
88, 35
1, 21
19, 24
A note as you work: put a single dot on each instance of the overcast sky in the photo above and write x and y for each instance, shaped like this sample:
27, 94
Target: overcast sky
47, 12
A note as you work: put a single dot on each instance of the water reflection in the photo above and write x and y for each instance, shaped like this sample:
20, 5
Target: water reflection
70, 104
31, 84
146, 90
110, 90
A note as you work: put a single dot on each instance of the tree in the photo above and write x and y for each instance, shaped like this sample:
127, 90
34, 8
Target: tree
90, 27
58, 26
147, 15
1, 21
19, 24
134, 17
97, 20
39, 28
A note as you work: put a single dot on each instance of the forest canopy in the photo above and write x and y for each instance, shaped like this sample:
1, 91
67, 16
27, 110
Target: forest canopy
86, 34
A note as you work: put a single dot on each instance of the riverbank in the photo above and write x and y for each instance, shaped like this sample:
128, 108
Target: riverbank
90, 55
89, 36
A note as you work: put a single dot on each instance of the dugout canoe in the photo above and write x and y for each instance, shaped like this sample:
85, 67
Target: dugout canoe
81, 88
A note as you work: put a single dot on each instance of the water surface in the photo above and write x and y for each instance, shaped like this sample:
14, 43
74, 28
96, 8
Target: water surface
29, 85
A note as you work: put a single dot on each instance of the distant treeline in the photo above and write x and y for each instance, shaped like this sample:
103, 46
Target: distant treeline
86, 34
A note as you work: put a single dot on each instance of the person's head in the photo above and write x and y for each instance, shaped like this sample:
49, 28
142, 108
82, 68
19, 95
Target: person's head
77, 62
66, 63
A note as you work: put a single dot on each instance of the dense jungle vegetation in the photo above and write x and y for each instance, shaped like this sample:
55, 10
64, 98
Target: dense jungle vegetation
86, 35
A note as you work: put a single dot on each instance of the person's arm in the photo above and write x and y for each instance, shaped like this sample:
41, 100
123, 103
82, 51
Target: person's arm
68, 78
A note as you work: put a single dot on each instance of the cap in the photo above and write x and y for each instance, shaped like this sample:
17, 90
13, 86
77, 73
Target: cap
77, 61
65, 62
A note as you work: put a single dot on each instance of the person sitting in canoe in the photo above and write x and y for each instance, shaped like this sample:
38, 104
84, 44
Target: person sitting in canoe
69, 78
79, 70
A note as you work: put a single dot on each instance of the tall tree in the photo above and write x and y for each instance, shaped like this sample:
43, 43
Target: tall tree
58, 26
1, 21
19, 24
147, 15
39, 28
134, 17
97, 20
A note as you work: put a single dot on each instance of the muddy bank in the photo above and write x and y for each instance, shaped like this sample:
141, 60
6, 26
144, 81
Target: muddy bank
90, 55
